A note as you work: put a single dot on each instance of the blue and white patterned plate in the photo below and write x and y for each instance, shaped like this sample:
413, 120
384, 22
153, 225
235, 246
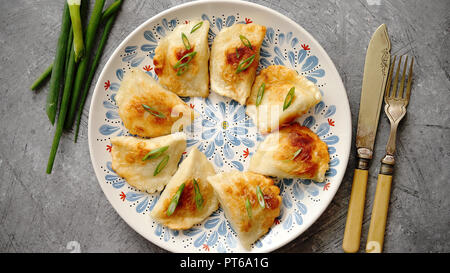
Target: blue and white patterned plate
222, 130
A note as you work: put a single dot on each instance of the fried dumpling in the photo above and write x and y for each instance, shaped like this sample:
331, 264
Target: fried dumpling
149, 110
145, 172
293, 152
250, 215
187, 211
234, 60
191, 79
276, 105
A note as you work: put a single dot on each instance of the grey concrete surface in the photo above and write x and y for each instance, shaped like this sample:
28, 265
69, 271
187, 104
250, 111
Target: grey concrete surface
67, 211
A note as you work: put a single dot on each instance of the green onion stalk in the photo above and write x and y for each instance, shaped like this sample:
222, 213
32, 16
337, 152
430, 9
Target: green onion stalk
78, 44
65, 101
39, 81
58, 67
98, 54
91, 31
112, 9
69, 48
48, 72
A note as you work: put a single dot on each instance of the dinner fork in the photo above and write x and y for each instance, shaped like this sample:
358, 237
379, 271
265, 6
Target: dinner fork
395, 109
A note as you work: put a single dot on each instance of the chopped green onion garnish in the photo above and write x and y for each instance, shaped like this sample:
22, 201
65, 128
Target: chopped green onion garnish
180, 62
155, 153
186, 43
183, 68
260, 197
297, 153
198, 195
248, 206
161, 165
289, 98
245, 64
197, 26
260, 94
174, 203
153, 111
237, 53
245, 41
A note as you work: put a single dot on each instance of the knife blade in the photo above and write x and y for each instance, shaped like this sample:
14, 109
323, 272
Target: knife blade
374, 81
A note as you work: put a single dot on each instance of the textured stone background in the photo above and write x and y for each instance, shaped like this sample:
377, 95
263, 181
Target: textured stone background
67, 210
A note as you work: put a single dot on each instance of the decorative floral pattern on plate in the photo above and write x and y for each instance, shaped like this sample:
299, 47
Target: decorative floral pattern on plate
225, 134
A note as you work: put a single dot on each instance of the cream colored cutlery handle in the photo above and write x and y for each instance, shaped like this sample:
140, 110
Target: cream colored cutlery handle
377, 227
352, 234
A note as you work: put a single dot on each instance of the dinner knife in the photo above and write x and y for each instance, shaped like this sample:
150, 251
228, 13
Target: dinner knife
374, 81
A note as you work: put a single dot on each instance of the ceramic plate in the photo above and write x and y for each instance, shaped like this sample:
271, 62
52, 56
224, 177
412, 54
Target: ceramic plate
222, 130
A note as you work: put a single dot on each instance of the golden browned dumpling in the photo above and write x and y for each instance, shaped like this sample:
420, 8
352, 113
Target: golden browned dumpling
250, 201
234, 60
273, 85
293, 152
149, 110
191, 79
188, 210
149, 173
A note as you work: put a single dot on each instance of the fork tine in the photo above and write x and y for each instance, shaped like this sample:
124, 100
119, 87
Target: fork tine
394, 88
389, 81
408, 86
402, 82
